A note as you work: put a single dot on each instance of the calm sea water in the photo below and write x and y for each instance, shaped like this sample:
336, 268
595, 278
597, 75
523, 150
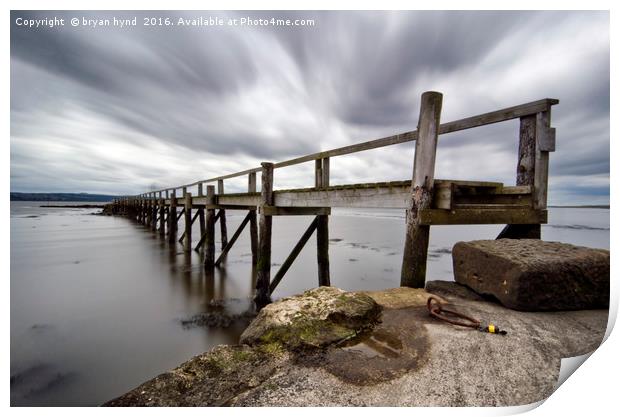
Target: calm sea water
98, 303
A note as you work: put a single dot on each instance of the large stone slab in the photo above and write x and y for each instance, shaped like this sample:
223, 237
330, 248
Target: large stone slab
534, 275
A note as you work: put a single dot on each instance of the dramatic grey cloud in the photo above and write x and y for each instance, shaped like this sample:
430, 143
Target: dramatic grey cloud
120, 110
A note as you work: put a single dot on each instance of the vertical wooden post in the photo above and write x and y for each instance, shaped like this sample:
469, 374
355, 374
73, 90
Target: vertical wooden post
142, 202
223, 231
322, 230
147, 208
162, 215
172, 218
154, 210
253, 221
209, 244
526, 170
187, 243
318, 173
263, 267
545, 143
413, 272
201, 211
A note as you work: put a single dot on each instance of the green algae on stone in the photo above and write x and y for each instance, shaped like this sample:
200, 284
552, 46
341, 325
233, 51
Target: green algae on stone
316, 318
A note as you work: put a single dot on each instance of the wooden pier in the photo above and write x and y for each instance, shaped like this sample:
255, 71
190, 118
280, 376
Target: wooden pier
426, 200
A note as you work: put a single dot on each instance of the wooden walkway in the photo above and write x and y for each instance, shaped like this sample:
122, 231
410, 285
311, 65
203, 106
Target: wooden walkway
426, 200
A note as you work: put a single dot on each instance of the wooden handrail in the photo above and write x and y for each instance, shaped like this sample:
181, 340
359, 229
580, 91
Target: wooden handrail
497, 116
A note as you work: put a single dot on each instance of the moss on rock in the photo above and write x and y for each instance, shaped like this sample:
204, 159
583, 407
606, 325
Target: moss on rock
316, 318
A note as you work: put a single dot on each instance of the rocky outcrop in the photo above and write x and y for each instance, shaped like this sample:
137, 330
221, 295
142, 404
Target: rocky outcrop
327, 347
534, 275
316, 318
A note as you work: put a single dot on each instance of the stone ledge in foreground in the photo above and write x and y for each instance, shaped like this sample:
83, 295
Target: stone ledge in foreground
385, 351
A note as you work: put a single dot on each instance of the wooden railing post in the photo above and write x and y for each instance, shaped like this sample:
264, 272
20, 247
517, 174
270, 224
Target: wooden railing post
223, 231
187, 243
172, 218
263, 268
322, 230
413, 272
536, 140
545, 143
253, 221
201, 211
210, 229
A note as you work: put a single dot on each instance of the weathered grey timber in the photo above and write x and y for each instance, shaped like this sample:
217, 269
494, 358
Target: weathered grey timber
187, 242
427, 201
162, 216
253, 220
533, 275
322, 225
263, 266
201, 212
223, 230
172, 219
413, 271
210, 230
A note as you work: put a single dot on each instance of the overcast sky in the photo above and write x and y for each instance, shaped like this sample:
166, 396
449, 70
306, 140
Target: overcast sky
110, 110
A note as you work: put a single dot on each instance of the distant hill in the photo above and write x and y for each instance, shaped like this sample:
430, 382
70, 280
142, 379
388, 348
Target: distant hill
61, 197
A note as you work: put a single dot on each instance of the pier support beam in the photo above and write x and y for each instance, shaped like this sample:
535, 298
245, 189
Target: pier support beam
209, 243
525, 176
413, 272
223, 231
201, 212
162, 216
263, 268
154, 210
322, 225
172, 218
253, 220
187, 242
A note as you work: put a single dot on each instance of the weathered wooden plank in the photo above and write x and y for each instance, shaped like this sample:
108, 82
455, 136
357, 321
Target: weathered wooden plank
220, 207
482, 216
502, 115
519, 189
524, 200
294, 211
413, 271
263, 267
293, 255
234, 238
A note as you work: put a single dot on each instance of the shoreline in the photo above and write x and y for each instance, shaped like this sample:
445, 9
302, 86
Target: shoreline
402, 357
